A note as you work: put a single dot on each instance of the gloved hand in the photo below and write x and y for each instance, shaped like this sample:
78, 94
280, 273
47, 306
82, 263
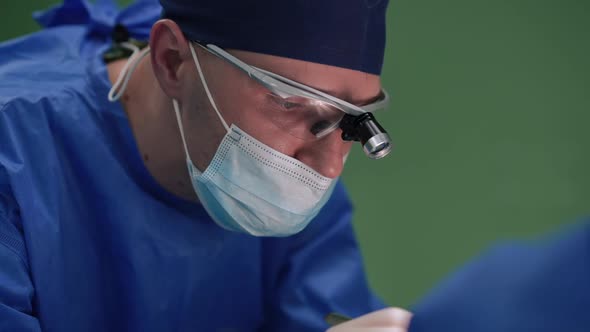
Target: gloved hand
384, 320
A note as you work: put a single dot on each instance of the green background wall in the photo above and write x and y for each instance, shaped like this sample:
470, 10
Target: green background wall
491, 123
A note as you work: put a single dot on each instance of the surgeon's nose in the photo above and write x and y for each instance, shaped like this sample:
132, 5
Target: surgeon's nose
326, 155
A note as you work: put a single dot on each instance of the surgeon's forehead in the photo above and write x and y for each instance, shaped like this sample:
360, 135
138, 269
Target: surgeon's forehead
350, 85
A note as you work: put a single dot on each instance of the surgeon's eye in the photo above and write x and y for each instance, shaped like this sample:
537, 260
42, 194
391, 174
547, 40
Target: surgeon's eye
286, 104
290, 105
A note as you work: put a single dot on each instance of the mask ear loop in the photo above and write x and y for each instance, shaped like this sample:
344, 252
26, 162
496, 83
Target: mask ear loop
196, 59
177, 112
121, 84
177, 107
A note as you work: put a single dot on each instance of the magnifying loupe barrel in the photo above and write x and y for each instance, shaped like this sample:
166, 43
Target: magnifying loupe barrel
377, 146
365, 128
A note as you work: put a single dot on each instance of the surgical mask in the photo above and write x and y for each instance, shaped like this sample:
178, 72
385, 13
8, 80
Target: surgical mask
250, 187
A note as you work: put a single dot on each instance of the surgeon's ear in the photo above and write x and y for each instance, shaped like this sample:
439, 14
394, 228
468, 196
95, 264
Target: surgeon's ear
169, 49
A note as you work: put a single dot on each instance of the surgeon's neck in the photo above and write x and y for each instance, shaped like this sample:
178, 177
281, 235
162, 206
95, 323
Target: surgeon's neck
151, 118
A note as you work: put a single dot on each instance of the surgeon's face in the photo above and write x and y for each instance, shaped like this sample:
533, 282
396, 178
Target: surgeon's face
245, 103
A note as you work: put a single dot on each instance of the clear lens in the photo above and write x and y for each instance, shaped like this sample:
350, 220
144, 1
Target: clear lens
304, 118
300, 110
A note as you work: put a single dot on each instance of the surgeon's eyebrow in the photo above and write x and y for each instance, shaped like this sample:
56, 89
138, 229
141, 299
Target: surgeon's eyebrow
343, 96
348, 97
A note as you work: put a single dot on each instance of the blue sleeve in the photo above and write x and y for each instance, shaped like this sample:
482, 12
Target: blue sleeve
315, 272
16, 288
543, 286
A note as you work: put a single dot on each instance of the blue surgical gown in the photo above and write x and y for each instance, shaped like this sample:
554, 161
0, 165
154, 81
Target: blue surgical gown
531, 286
90, 242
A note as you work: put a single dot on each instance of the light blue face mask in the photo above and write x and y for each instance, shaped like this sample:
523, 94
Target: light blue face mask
250, 187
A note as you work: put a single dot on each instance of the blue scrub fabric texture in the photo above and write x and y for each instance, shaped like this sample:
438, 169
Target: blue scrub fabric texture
537, 286
90, 242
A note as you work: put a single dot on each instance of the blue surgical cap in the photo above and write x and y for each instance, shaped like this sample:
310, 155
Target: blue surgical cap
343, 33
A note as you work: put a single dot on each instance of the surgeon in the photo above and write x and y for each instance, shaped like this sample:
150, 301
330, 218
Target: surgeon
174, 166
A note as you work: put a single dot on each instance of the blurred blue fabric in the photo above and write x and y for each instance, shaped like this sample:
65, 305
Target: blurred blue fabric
90, 242
540, 286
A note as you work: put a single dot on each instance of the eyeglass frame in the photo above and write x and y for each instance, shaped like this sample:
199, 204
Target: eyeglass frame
279, 85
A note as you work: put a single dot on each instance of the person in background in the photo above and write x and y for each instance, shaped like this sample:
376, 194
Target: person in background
537, 286
189, 182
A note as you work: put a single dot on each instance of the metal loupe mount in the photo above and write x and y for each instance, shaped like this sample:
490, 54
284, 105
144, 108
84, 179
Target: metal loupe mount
365, 129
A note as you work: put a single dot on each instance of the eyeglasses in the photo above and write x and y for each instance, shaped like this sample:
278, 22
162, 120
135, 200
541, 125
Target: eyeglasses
310, 114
